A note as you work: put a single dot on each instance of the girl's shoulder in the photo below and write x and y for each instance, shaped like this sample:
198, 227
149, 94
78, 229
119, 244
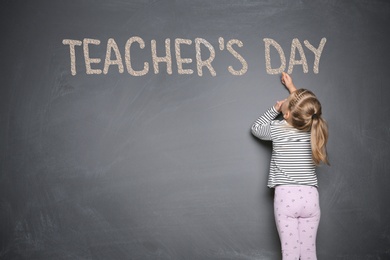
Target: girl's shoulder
282, 122
283, 126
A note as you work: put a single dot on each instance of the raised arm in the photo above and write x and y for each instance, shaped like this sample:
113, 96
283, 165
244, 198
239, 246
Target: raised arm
261, 128
287, 81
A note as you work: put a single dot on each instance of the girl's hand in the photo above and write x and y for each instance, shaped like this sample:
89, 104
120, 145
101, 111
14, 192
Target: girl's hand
278, 105
287, 81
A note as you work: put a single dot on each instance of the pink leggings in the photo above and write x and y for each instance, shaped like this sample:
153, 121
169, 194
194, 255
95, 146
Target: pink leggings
297, 215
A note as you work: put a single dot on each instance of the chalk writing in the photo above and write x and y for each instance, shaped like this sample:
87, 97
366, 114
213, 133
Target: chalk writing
205, 54
295, 45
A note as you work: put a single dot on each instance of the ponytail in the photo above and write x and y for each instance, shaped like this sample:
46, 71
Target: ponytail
306, 115
319, 138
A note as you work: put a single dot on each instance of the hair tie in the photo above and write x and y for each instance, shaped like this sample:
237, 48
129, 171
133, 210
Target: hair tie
314, 116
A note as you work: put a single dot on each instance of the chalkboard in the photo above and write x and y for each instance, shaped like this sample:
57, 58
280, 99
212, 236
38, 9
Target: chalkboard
126, 126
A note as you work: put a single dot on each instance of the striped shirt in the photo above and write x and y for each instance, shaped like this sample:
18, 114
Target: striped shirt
291, 161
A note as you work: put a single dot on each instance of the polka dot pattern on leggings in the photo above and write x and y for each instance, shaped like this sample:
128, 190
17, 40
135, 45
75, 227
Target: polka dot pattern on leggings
297, 215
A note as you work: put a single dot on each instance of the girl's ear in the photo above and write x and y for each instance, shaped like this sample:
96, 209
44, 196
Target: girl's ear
286, 115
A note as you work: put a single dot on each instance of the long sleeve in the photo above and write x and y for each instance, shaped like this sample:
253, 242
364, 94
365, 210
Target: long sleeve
261, 128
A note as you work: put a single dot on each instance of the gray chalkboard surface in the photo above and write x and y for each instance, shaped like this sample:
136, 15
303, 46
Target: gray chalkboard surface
125, 126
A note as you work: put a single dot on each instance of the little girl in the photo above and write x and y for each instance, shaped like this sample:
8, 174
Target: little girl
299, 144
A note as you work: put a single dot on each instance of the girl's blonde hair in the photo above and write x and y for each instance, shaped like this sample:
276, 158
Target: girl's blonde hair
305, 110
